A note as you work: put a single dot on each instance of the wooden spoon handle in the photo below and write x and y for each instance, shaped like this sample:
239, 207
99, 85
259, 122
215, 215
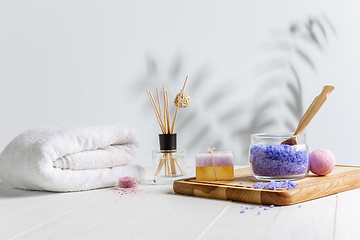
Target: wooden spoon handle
313, 109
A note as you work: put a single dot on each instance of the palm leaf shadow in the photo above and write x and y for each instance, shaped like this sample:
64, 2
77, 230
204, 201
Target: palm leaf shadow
263, 118
214, 119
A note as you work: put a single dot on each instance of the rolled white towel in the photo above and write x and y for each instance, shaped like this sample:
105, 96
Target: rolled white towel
70, 157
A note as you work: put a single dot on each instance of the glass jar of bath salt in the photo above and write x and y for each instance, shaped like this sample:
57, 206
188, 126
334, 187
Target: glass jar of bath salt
272, 160
168, 162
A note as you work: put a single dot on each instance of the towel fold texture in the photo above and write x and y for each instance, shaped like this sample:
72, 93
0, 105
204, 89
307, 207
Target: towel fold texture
70, 157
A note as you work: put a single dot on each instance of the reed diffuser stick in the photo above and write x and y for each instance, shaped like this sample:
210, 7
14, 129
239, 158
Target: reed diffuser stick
158, 98
178, 164
156, 111
161, 164
172, 163
167, 157
165, 112
177, 107
167, 109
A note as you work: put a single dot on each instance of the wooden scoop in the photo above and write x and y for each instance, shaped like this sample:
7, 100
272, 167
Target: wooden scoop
310, 114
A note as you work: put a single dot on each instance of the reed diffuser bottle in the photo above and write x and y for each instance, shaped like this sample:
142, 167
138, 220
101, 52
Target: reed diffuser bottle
168, 162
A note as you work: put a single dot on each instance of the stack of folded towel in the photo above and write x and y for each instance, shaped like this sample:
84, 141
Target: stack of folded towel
70, 157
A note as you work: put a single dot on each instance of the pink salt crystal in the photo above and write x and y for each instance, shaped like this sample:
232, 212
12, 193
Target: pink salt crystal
322, 162
127, 182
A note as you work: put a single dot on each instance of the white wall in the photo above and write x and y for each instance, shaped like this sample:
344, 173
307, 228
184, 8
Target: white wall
91, 61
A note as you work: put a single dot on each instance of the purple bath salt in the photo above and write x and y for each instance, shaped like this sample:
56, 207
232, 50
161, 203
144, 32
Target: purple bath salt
278, 160
273, 185
242, 211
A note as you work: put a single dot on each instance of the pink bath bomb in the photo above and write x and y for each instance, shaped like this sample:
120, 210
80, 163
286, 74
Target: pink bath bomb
322, 162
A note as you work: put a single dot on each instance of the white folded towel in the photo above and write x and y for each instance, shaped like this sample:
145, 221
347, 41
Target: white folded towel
70, 157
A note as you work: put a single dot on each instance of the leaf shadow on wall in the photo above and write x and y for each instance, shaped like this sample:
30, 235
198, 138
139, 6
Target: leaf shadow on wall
218, 118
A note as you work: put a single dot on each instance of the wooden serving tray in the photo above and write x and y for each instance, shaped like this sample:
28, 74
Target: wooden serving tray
341, 179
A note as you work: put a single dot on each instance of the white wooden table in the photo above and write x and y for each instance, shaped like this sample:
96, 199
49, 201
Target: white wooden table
156, 212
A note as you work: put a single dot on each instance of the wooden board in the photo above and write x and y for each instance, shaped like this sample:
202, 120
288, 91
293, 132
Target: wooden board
341, 179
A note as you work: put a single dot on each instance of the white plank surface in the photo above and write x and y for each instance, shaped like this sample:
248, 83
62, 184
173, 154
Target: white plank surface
156, 212
232, 224
348, 216
313, 220
316, 217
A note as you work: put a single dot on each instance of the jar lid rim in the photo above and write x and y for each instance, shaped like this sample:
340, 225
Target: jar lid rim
277, 134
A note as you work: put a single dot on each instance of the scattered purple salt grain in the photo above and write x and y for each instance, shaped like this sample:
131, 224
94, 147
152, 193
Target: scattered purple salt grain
253, 207
241, 182
278, 160
299, 206
274, 185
